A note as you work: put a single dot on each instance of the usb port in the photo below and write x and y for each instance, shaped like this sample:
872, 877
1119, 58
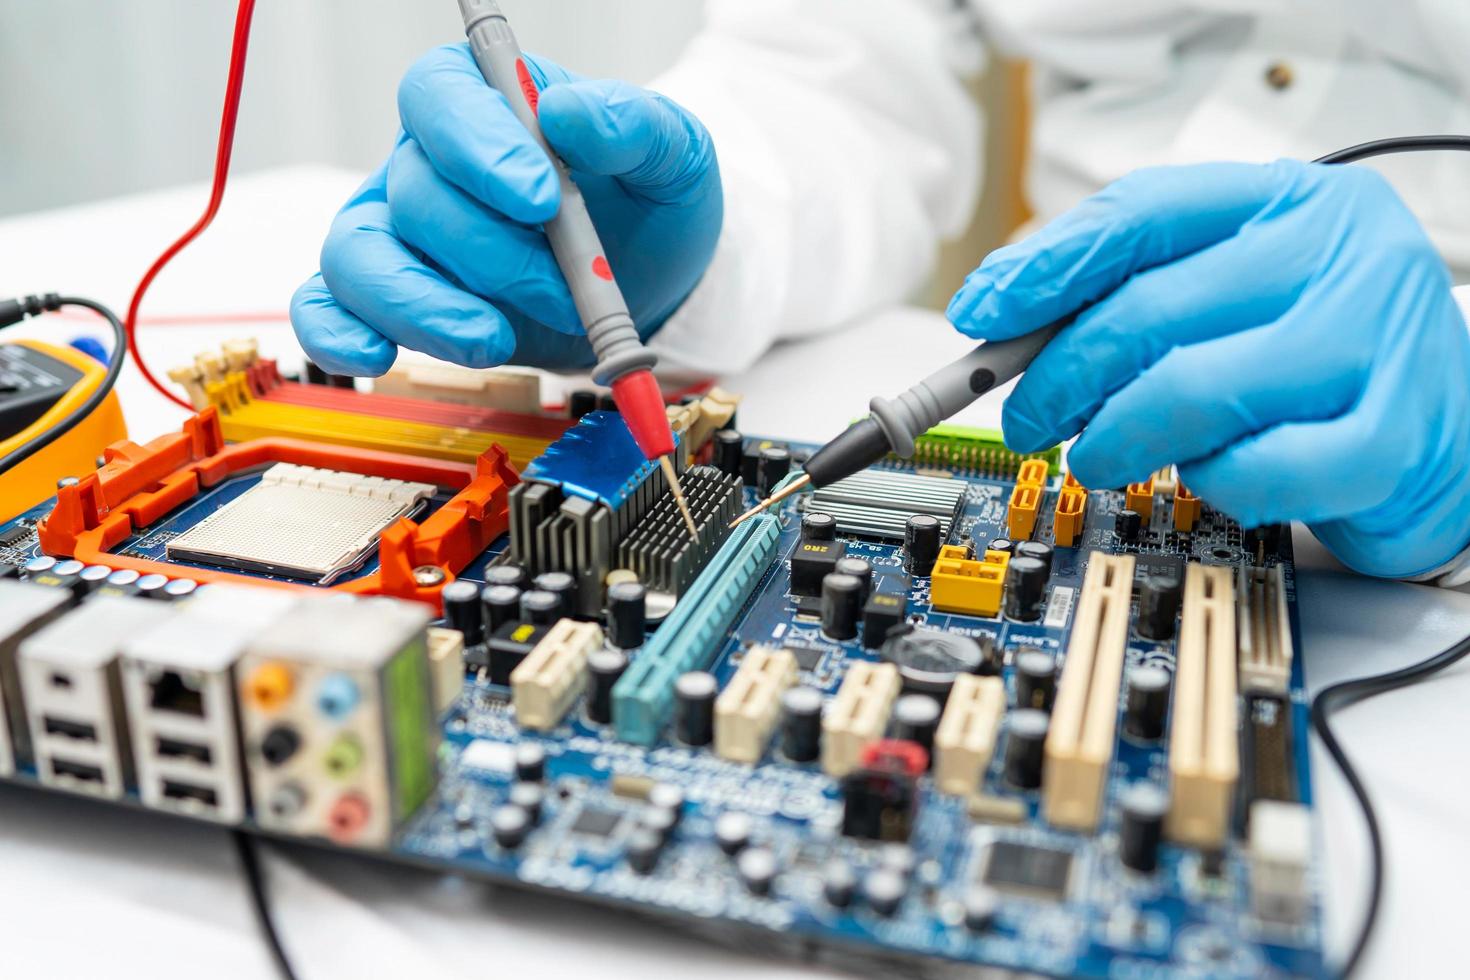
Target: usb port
172, 748
71, 729
77, 770
188, 791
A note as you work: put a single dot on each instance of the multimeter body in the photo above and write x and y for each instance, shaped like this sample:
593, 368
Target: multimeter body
40, 384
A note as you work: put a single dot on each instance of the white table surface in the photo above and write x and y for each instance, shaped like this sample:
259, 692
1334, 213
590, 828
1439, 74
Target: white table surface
90, 890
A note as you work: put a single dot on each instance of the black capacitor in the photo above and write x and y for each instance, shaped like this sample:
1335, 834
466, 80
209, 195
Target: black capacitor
1142, 827
817, 526
90, 578
1158, 606
916, 719
462, 610
992, 657
541, 607
563, 585
921, 541
801, 723
1025, 589
179, 588
530, 762
1039, 550
580, 402
507, 574
757, 868
1001, 544
510, 825
842, 603
499, 604
839, 883
660, 820
1128, 525
150, 586
1025, 747
1036, 679
729, 447
1147, 702
772, 467
859, 569
694, 707
884, 889
732, 831
529, 797
643, 850
981, 904
604, 667
627, 616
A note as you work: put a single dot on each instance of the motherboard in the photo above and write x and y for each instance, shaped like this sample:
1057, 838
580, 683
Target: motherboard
957, 709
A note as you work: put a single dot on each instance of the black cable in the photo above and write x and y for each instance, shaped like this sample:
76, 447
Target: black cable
1396, 144
245, 847
14, 311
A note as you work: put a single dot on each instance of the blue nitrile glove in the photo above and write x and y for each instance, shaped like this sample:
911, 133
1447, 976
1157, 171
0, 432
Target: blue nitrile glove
441, 249
1284, 332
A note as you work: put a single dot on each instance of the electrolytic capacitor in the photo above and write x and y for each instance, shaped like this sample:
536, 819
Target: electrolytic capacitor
771, 468
1147, 702
604, 667
462, 610
858, 568
529, 797
90, 577
626, 615
1039, 550
729, 448
1158, 606
151, 585
1142, 827
1001, 544
1036, 679
921, 540
817, 526
1025, 589
541, 607
530, 762
884, 889
801, 723
643, 849
915, 719
732, 831
842, 604
510, 826
1128, 525
580, 402
499, 604
981, 904
992, 656
694, 707
1025, 747
507, 574
757, 868
839, 883
562, 585
179, 588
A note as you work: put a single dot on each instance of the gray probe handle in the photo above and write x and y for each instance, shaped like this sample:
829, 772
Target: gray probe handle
952, 387
574, 241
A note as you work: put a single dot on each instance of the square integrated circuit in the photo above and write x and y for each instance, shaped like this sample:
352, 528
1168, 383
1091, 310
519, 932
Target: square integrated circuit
300, 522
1028, 869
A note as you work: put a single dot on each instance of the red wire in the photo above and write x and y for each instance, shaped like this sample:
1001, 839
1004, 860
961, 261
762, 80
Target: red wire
216, 194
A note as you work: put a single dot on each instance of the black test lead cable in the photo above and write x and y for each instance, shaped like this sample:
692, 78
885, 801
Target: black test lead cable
13, 312
248, 851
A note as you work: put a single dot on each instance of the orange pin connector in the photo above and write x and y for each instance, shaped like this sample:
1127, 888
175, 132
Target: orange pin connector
1186, 509
1140, 497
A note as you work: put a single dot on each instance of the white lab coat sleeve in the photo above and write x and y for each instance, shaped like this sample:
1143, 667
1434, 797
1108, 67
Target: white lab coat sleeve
848, 148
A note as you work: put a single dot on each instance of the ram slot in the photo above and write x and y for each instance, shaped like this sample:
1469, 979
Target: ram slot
858, 715
965, 741
1203, 753
1080, 743
749, 706
691, 635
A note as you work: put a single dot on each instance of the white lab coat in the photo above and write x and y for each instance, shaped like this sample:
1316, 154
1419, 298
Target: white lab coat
849, 147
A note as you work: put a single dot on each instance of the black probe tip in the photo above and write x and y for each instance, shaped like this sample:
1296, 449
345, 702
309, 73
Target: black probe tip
860, 446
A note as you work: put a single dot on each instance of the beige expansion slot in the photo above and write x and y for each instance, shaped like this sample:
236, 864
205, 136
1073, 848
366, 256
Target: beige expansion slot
1079, 746
1203, 758
750, 705
1264, 631
965, 740
544, 685
858, 715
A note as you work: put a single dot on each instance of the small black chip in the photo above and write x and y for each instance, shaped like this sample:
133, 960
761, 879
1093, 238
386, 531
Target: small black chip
13, 536
1168, 566
810, 563
1040, 871
807, 658
597, 822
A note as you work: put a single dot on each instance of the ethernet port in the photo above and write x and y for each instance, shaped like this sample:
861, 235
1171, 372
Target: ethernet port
182, 694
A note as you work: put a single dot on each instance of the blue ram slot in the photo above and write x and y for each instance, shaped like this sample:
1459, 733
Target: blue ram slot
643, 698
596, 459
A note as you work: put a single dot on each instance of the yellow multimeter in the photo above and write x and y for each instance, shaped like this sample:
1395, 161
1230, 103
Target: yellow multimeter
40, 384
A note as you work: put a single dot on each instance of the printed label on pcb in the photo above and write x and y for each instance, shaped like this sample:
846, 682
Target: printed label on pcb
1059, 607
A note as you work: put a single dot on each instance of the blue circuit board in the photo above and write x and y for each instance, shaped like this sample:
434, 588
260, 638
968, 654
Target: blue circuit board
1190, 918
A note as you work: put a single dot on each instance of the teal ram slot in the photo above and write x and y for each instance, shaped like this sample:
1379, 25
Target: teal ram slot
689, 638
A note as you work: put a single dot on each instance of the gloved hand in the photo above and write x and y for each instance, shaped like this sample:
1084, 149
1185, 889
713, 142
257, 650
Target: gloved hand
1285, 333
441, 249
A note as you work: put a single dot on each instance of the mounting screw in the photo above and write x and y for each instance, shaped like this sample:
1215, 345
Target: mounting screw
427, 575
66, 481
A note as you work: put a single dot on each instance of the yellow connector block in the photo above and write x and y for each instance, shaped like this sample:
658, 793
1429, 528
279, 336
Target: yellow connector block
1140, 498
1071, 509
1021, 514
968, 585
1186, 509
1071, 481
1033, 472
